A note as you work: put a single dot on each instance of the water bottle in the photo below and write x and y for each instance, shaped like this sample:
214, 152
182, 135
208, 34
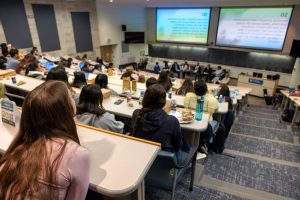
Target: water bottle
221, 99
141, 97
215, 91
199, 108
170, 94
173, 106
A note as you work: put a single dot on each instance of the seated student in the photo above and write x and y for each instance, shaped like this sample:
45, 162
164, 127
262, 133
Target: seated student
176, 69
166, 68
186, 69
210, 102
226, 79
13, 61
229, 117
45, 159
218, 72
102, 81
100, 61
91, 112
69, 62
154, 124
58, 74
128, 73
296, 92
97, 69
79, 80
207, 73
186, 87
210, 105
165, 80
86, 68
156, 68
34, 52
29, 65
4, 49
110, 65
225, 92
151, 81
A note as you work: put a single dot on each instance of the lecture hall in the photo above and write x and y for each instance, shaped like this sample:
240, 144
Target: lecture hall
150, 100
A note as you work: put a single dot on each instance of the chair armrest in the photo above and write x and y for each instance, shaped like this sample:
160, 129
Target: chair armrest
188, 159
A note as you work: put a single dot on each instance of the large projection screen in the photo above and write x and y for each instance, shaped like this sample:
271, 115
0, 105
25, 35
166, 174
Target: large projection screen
182, 25
258, 28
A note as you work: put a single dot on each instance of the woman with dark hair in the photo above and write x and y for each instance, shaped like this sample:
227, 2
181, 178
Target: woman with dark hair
151, 81
4, 49
58, 74
225, 92
153, 123
165, 80
79, 80
210, 102
45, 160
102, 81
69, 62
186, 87
210, 105
97, 69
91, 112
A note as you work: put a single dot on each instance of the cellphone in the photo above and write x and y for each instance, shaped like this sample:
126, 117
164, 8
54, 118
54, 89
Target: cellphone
118, 102
14, 80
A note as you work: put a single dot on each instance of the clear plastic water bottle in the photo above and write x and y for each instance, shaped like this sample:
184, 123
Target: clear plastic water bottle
170, 94
141, 97
173, 106
221, 99
199, 108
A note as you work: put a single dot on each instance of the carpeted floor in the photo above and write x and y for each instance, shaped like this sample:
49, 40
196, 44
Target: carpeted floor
261, 161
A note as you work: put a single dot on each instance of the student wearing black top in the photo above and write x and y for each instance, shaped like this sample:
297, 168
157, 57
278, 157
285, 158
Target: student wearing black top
176, 69
154, 124
151, 81
79, 80
58, 74
165, 80
229, 117
225, 92
4, 49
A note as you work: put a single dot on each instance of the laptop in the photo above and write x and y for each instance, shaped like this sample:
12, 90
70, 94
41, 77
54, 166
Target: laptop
49, 66
81, 64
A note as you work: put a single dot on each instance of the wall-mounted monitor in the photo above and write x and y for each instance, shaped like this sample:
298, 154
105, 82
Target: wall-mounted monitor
182, 25
134, 37
257, 28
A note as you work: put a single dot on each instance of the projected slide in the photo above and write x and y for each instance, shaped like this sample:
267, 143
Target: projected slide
182, 25
262, 28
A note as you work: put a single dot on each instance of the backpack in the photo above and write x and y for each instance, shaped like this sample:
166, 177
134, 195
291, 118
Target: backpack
219, 139
287, 115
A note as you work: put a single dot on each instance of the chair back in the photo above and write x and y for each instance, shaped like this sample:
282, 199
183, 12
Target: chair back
161, 172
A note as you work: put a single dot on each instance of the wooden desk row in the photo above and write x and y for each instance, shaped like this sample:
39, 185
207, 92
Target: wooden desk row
296, 102
118, 163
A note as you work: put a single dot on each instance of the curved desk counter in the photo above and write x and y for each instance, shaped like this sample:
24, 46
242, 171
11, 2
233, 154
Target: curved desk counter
118, 163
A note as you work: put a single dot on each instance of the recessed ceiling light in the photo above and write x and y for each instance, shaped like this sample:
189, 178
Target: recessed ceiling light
111, 1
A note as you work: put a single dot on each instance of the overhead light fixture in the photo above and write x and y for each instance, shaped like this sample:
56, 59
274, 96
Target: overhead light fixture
111, 1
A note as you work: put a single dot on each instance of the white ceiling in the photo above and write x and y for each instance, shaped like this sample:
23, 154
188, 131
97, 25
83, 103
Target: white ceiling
204, 3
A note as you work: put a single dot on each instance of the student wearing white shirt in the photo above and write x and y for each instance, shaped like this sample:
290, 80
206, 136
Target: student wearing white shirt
186, 69
218, 72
